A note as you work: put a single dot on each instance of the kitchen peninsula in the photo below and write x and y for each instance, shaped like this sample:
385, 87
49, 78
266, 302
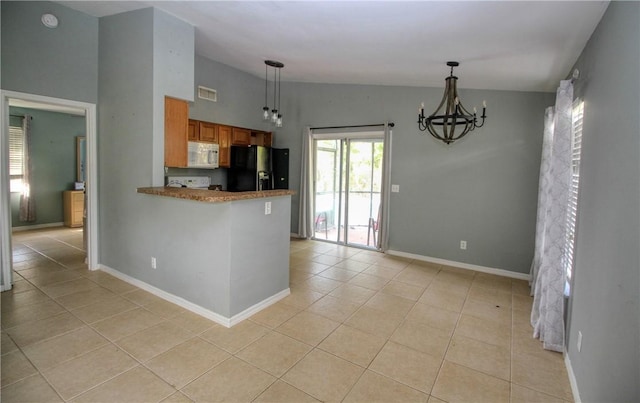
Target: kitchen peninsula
224, 255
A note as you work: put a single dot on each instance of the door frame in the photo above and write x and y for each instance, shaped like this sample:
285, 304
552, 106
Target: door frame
5, 195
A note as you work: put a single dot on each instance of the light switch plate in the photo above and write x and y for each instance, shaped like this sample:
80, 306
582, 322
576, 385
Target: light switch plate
395, 188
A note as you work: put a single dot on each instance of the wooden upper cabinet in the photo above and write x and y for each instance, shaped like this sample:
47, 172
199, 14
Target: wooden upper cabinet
176, 121
240, 137
179, 130
208, 132
194, 130
259, 138
224, 139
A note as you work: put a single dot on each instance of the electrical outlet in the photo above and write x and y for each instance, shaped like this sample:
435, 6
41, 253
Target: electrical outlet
395, 188
267, 208
463, 245
153, 263
579, 343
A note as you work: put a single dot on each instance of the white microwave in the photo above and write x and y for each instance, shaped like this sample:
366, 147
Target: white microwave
203, 155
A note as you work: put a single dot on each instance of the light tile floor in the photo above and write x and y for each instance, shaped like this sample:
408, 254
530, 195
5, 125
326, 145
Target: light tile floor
358, 326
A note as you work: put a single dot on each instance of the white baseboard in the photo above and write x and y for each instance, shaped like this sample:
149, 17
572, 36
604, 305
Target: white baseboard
197, 309
572, 377
235, 319
38, 226
466, 266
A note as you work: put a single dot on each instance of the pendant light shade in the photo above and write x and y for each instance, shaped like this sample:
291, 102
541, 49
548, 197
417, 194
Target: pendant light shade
451, 121
275, 114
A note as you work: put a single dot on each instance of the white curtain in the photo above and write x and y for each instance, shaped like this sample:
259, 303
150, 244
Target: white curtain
543, 182
548, 267
305, 210
27, 203
383, 234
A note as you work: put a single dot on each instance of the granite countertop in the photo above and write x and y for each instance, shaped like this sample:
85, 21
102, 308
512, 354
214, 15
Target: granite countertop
212, 196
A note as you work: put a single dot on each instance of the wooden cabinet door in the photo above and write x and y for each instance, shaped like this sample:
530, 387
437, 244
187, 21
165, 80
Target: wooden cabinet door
224, 140
176, 122
194, 130
240, 137
268, 139
208, 132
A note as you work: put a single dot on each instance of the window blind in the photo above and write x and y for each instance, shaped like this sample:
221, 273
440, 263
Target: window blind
572, 208
16, 150
16, 158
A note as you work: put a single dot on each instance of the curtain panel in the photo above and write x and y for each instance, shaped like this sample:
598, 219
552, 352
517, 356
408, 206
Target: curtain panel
383, 235
548, 269
27, 203
305, 212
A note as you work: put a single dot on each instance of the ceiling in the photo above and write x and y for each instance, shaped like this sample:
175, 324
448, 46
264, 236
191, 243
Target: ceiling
504, 45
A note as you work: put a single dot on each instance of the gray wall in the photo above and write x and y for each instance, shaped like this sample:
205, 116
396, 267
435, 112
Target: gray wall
482, 189
131, 102
125, 124
191, 241
53, 158
173, 71
606, 290
239, 96
61, 62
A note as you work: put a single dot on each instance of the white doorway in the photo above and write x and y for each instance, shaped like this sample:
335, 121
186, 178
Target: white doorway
91, 228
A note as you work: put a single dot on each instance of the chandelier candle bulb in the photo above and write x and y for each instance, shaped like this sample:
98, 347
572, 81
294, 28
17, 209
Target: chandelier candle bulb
484, 104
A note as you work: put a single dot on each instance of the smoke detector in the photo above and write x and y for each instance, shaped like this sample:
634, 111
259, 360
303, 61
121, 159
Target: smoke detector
49, 20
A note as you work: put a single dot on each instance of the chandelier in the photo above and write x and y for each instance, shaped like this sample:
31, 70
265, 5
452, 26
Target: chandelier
451, 121
276, 115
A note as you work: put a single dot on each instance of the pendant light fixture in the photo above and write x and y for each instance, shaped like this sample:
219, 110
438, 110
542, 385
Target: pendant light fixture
276, 115
443, 123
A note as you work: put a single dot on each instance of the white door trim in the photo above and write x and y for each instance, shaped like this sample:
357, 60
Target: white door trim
92, 178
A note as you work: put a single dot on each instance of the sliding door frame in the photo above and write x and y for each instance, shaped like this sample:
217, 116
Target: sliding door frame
345, 136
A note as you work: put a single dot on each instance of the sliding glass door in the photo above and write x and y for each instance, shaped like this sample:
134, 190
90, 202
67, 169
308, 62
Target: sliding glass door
348, 186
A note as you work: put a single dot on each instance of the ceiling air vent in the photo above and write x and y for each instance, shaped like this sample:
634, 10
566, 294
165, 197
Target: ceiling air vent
207, 93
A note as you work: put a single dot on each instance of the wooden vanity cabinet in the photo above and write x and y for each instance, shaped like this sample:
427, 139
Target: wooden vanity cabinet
176, 122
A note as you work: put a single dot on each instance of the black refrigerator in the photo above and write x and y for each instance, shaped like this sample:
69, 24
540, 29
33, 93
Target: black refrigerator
258, 168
